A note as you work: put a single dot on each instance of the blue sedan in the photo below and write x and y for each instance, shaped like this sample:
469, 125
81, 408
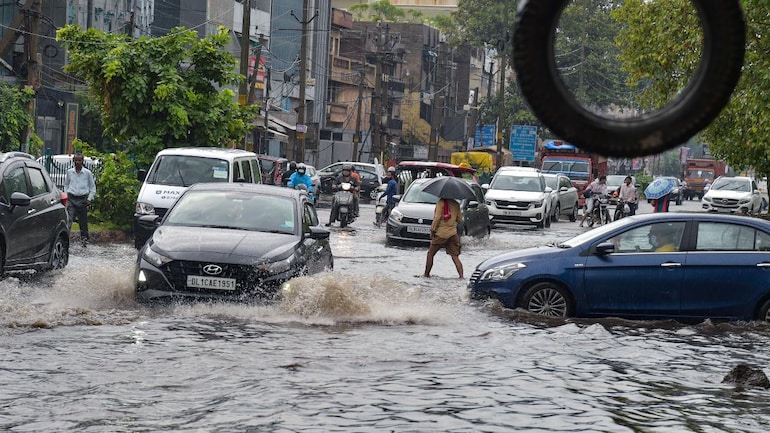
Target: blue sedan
688, 267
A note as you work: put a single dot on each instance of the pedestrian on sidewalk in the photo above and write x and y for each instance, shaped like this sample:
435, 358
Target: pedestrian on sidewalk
80, 187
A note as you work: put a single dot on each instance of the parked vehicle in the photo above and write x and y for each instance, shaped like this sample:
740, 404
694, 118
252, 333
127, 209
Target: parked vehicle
343, 205
372, 176
272, 168
564, 197
671, 265
34, 231
412, 217
733, 194
699, 171
519, 195
233, 241
176, 169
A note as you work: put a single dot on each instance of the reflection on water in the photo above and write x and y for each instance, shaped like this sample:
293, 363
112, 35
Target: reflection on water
366, 348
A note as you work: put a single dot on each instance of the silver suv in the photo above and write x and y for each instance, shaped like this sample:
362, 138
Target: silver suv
519, 195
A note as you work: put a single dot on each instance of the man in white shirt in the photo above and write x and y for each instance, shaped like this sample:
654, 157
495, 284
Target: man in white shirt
80, 188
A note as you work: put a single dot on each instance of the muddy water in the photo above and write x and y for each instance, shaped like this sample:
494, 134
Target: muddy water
368, 347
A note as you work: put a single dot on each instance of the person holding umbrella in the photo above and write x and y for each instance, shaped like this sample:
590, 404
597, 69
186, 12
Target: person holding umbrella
657, 192
446, 216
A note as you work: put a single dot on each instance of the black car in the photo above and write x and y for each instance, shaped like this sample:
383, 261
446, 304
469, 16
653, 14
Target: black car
33, 218
234, 241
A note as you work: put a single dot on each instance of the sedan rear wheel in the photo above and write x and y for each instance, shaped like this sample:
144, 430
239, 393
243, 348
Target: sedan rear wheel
764, 312
547, 299
556, 213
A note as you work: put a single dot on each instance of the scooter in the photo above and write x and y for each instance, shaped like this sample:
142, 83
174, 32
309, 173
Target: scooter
600, 213
342, 205
380, 213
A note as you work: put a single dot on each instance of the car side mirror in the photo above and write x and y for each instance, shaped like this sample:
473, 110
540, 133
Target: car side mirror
150, 222
19, 199
563, 189
548, 189
397, 197
141, 175
485, 186
605, 248
473, 204
318, 233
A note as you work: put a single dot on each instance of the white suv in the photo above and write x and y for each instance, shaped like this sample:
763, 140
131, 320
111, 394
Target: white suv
733, 194
519, 195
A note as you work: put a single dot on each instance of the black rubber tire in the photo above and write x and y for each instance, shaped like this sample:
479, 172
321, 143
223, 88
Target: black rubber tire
343, 217
618, 215
763, 314
574, 215
556, 214
548, 299
709, 90
59, 255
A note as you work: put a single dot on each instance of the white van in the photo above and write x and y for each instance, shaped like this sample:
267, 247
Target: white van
175, 169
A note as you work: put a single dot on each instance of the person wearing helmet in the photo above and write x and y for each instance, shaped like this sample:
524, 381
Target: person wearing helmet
300, 177
391, 190
287, 174
345, 177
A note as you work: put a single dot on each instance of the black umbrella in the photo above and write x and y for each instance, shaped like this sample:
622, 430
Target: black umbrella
449, 187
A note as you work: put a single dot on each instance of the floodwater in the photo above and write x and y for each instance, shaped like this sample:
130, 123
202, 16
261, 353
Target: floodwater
370, 347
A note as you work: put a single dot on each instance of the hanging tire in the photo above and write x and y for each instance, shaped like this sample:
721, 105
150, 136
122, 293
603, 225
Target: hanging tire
547, 299
707, 92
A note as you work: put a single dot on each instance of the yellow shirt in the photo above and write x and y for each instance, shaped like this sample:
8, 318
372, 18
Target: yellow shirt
666, 248
446, 229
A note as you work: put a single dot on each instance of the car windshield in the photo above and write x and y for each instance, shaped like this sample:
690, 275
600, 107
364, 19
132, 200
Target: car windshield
516, 183
731, 185
415, 194
185, 170
551, 182
614, 180
229, 210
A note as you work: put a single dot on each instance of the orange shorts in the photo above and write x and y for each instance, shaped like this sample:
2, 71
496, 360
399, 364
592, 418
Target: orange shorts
452, 245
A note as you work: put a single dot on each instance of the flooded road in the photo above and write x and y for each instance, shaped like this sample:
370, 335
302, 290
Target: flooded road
370, 347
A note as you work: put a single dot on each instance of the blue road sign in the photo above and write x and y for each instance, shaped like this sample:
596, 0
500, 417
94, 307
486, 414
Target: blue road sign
485, 136
523, 142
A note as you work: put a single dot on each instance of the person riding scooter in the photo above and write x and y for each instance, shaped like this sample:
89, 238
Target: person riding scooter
288, 173
300, 177
344, 177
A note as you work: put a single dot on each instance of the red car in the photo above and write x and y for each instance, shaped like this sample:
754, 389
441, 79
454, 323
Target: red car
272, 167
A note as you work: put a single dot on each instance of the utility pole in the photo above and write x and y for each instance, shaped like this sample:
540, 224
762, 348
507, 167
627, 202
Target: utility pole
34, 60
255, 73
501, 96
357, 137
245, 44
301, 114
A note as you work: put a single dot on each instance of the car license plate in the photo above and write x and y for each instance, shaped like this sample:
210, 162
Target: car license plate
418, 229
216, 283
512, 212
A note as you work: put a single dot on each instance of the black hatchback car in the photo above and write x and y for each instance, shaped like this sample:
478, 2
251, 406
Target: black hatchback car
34, 226
231, 241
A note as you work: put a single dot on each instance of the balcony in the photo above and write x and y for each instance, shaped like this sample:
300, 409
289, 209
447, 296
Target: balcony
336, 113
346, 70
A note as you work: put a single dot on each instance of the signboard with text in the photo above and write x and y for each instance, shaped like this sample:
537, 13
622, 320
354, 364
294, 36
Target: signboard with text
523, 142
485, 136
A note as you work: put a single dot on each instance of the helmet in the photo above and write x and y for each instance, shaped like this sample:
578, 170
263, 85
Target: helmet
301, 168
391, 169
292, 166
348, 167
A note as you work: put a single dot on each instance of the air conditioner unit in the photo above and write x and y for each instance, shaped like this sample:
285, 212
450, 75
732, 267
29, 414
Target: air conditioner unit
310, 82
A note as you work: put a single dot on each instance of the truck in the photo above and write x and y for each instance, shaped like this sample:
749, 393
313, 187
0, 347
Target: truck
700, 170
579, 166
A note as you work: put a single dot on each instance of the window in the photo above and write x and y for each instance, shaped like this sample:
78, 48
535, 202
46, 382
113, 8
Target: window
730, 237
14, 181
660, 237
37, 179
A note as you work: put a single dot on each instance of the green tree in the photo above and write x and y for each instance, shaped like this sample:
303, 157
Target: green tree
381, 10
14, 116
661, 43
160, 92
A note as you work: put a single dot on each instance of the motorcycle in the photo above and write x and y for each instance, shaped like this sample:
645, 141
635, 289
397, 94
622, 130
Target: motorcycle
342, 205
302, 187
622, 209
380, 212
600, 213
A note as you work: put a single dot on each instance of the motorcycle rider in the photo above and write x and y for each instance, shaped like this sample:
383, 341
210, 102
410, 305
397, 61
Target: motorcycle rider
390, 191
344, 177
596, 189
300, 177
628, 195
287, 174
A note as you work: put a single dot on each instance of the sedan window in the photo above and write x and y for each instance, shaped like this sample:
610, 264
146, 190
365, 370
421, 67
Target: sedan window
730, 237
659, 237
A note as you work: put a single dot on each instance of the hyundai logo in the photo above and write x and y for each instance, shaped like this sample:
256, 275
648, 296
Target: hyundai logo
212, 269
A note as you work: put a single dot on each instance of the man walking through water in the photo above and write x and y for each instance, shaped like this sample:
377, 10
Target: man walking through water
80, 188
443, 234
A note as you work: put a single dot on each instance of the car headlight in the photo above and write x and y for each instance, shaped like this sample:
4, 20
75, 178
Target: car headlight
707, 198
745, 200
396, 215
155, 258
145, 208
500, 273
537, 203
280, 266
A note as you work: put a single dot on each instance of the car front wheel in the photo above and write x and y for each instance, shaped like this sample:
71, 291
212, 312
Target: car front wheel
547, 299
764, 312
